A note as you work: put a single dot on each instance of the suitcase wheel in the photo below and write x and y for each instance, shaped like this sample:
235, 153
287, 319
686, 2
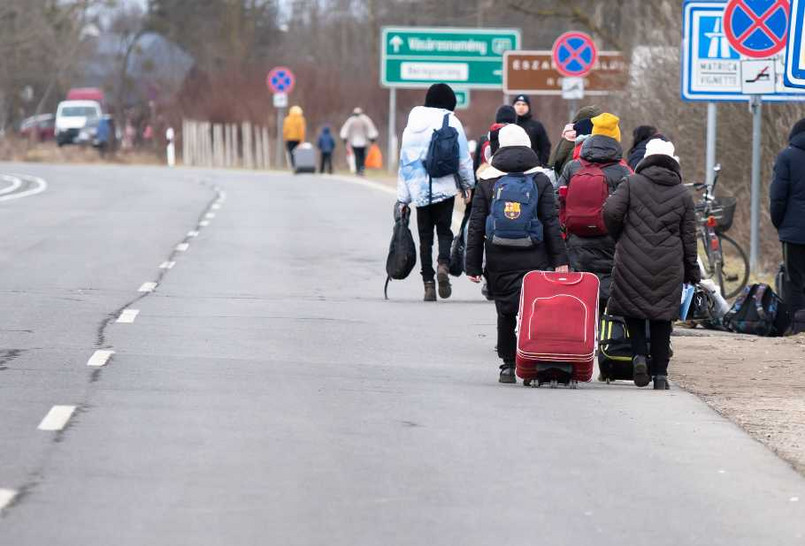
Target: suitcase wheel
574, 384
554, 383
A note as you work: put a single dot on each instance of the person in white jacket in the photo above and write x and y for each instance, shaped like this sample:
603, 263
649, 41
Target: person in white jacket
359, 132
433, 199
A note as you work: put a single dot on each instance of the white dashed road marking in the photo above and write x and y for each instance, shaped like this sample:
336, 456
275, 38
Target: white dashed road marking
210, 215
192, 233
6, 496
204, 223
167, 265
148, 287
56, 418
128, 316
100, 358
182, 247
216, 206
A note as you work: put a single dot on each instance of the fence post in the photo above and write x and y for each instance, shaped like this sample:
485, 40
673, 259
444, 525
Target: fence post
218, 145
266, 149
248, 157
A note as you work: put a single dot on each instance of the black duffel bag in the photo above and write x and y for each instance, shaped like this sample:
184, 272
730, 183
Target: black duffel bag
402, 250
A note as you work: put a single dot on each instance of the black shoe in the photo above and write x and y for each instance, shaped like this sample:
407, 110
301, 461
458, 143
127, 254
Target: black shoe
507, 374
443, 276
430, 291
641, 376
661, 383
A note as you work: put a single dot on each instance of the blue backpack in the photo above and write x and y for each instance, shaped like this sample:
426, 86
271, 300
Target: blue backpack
442, 157
512, 220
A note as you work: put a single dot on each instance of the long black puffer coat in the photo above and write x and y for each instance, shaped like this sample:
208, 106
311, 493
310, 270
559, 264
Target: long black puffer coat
596, 254
506, 267
651, 215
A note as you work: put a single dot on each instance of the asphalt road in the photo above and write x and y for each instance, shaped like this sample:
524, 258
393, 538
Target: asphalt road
264, 393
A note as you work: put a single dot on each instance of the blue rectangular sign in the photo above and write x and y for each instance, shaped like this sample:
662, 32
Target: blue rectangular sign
711, 68
795, 56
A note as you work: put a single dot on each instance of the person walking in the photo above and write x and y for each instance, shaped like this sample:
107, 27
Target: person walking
434, 198
358, 132
540, 142
507, 265
563, 153
653, 219
488, 143
326, 145
787, 206
592, 177
642, 135
293, 131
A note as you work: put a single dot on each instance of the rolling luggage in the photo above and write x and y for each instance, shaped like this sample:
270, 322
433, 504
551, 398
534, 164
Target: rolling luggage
304, 157
557, 328
615, 350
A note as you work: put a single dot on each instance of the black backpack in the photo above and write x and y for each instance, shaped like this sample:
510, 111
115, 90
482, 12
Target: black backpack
442, 157
402, 250
458, 249
758, 311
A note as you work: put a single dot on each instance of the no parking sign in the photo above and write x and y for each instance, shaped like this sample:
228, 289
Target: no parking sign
574, 54
757, 28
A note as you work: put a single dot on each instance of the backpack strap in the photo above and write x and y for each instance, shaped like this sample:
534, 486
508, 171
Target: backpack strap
386, 288
446, 121
758, 297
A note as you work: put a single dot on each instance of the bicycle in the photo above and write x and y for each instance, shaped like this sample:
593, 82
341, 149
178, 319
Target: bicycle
720, 257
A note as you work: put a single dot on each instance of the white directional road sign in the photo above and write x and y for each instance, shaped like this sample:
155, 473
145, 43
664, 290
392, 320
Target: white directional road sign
795, 58
712, 68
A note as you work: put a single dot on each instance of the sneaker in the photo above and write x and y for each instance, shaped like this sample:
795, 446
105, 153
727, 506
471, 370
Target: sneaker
661, 383
507, 374
430, 291
443, 276
641, 376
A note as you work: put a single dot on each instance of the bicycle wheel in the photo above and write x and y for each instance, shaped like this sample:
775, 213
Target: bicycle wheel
734, 267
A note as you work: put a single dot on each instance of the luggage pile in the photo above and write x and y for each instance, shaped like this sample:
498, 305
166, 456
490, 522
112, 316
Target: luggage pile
557, 328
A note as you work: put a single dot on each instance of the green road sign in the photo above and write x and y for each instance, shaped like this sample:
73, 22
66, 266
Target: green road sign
462, 99
418, 57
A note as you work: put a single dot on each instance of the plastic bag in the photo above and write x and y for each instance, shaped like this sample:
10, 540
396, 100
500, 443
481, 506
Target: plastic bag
374, 158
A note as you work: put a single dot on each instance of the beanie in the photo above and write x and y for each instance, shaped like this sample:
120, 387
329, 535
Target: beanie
799, 127
607, 125
522, 98
587, 112
657, 146
506, 114
512, 136
440, 95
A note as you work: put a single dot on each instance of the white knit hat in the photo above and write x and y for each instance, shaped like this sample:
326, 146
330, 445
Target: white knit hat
513, 135
658, 146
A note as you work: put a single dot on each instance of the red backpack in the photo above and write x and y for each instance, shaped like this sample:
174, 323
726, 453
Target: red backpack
587, 192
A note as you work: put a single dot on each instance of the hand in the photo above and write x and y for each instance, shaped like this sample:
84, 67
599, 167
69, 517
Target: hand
473, 278
562, 269
467, 197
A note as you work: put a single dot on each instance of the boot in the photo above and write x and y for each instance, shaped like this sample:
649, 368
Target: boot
443, 276
507, 374
641, 376
661, 383
430, 291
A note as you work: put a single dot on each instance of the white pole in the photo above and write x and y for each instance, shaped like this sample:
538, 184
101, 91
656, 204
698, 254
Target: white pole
392, 144
266, 148
757, 128
258, 148
170, 134
712, 135
280, 144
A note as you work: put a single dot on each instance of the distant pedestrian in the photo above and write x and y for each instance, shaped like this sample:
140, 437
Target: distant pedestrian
434, 198
589, 180
516, 163
359, 132
653, 219
489, 142
326, 145
293, 131
540, 142
563, 153
788, 213
642, 135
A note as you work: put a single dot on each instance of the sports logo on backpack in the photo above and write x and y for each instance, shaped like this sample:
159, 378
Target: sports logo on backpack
512, 219
587, 192
442, 157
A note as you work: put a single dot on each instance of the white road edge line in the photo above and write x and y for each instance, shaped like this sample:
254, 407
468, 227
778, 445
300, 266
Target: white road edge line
182, 247
192, 234
41, 186
167, 265
57, 418
128, 316
99, 358
15, 184
6, 497
147, 287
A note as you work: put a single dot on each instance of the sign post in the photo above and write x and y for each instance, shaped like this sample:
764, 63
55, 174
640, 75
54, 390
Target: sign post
280, 82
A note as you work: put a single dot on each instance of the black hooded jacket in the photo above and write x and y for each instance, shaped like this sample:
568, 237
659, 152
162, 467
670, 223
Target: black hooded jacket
788, 191
506, 267
540, 142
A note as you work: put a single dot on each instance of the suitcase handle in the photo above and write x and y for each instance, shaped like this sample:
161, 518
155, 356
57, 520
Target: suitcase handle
565, 279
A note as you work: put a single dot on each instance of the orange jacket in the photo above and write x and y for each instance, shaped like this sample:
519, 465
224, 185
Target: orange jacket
293, 128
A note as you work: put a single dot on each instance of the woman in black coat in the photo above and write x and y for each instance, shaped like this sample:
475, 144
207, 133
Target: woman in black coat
506, 266
652, 217
641, 135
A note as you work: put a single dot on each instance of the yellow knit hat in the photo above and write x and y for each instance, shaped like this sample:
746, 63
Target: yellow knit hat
607, 125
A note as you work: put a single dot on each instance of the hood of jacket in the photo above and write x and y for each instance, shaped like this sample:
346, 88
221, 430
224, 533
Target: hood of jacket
512, 159
661, 169
326, 131
798, 141
295, 111
587, 112
423, 118
601, 149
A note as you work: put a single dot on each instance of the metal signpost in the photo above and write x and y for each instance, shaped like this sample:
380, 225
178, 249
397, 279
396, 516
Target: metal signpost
795, 56
733, 51
574, 55
280, 82
417, 57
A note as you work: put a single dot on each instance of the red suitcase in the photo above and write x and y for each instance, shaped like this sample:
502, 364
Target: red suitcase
557, 327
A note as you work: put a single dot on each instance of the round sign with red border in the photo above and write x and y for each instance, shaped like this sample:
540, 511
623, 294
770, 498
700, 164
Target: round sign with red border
757, 28
280, 80
574, 54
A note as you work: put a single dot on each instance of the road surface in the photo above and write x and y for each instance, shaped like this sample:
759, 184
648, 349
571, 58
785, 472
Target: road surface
204, 357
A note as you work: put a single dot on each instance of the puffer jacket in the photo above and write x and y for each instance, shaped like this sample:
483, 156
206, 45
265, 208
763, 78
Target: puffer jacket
596, 254
412, 180
652, 217
358, 131
788, 192
506, 267
293, 128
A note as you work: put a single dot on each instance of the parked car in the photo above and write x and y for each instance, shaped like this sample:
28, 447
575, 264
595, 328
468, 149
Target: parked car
74, 115
41, 127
